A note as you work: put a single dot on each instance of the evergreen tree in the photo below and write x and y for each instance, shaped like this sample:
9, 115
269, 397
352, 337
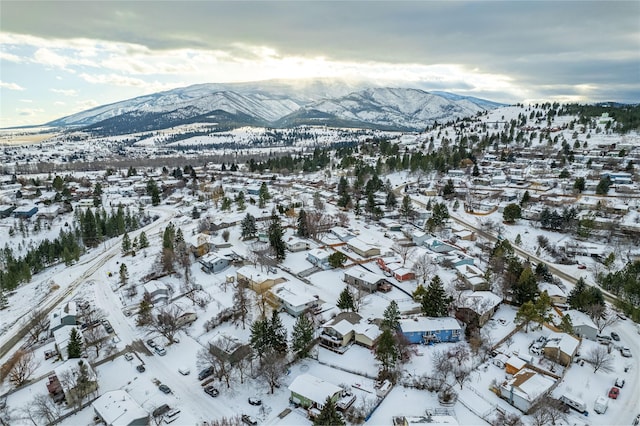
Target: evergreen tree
439, 215
263, 195
226, 204
603, 186
582, 296
74, 348
58, 183
153, 192
303, 226
511, 213
419, 293
406, 209
144, 310
124, 275
89, 229
302, 336
143, 241
126, 243
248, 226
391, 317
386, 350
391, 202
526, 288
4, 302
329, 415
345, 300
240, 201
449, 189
435, 302
97, 194
275, 236
526, 315
277, 334
566, 325
343, 193
259, 339
337, 259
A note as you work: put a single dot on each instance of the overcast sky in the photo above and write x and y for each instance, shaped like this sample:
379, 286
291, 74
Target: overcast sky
58, 58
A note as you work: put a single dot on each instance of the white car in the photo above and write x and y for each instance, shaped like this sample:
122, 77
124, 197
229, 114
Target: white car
625, 352
128, 356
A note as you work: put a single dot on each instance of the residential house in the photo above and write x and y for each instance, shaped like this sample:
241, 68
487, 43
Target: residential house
61, 338
24, 212
158, 292
401, 273
419, 237
65, 315
364, 279
387, 262
430, 330
294, 299
556, 294
215, 262
473, 277
363, 249
583, 325
343, 234
526, 388
6, 210
319, 257
118, 408
438, 246
561, 348
200, 244
478, 306
257, 280
229, 347
68, 375
312, 392
295, 244
345, 328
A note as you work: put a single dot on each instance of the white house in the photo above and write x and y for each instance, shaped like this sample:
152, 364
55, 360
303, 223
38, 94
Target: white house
118, 408
295, 299
525, 388
158, 291
295, 244
583, 325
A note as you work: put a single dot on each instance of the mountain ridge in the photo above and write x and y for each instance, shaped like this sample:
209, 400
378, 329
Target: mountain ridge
278, 103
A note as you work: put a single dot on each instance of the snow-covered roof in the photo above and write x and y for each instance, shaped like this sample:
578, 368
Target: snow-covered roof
551, 289
358, 244
372, 331
313, 388
479, 301
155, 285
565, 342
71, 367
292, 295
363, 275
516, 362
580, 318
319, 253
255, 275
529, 384
428, 324
117, 408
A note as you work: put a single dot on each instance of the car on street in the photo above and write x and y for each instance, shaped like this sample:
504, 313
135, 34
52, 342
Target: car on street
211, 391
247, 419
620, 382
615, 336
625, 352
164, 388
614, 392
581, 266
636, 421
164, 408
254, 401
151, 343
140, 368
205, 373
128, 356
160, 350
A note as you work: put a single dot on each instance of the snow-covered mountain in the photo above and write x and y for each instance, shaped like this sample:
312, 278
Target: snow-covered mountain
278, 103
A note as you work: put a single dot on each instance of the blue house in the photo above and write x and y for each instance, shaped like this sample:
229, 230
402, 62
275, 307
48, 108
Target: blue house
319, 258
438, 246
431, 330
25, 212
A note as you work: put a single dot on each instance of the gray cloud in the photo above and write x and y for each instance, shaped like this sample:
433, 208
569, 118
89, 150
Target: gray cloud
537, 43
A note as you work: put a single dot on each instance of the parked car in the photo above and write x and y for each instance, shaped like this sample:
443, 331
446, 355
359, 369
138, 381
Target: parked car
164, 408
211, 391
615, 336
620, 382
151, 343
160, 350
605, 340
205, 373
171, 416
614, 392
581, 266
140, 368
625, 352
249, 420
636, 421
255, 401
185, 371
164, 388
128, 356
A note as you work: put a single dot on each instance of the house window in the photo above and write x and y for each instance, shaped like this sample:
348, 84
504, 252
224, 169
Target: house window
455, 333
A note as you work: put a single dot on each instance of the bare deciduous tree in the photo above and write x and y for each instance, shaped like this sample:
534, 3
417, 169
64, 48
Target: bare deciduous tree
23, 365
38, 324
241, 304
548, 411
45, 409
272, 368
166, 323
600, 358
404, 251
602, 317
423, 268
222, 367
94, 337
